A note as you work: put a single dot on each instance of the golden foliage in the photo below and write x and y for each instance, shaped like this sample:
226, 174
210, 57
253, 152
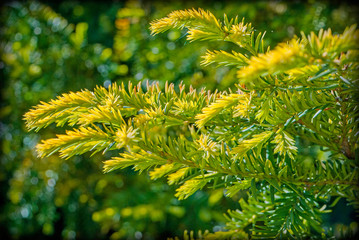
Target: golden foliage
283, 57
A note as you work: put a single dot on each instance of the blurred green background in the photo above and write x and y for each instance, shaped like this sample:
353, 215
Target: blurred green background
49, 48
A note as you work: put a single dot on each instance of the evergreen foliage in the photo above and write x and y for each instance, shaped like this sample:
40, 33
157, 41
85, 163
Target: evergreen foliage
244, 139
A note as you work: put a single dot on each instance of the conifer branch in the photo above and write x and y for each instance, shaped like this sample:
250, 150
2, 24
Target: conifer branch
241, 140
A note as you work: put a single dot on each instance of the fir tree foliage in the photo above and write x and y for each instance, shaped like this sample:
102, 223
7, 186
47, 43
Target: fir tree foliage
242, 140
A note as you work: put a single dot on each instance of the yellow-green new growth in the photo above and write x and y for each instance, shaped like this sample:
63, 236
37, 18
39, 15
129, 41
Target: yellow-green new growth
190, 18
324, 48
203, 25
244, 140
283, 57
76, 142
223, 58
59, 110
226, 102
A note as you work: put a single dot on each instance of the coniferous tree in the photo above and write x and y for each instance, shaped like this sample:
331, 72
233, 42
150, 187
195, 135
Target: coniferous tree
242, 140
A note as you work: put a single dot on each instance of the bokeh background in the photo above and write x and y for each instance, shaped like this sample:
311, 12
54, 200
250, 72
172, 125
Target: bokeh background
49, 48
